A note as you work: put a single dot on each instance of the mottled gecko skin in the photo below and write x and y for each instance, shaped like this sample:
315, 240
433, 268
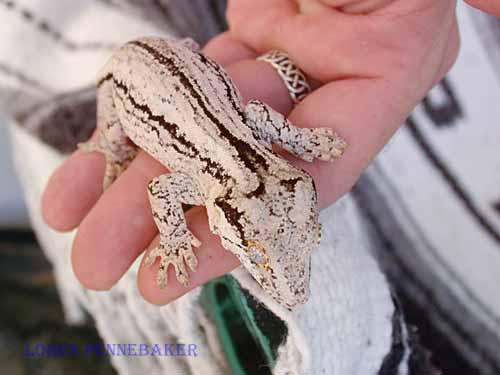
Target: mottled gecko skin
183, 109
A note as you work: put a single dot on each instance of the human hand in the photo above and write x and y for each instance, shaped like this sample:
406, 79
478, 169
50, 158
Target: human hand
370, 61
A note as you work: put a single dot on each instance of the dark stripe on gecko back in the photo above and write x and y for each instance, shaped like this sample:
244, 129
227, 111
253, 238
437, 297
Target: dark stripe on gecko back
150, 127
211, 167
224, 78
232, 215
250, 158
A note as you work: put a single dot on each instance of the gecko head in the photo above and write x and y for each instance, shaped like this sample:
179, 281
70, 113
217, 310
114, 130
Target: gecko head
273, 234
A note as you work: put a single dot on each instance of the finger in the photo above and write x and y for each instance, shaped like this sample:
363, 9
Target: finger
226, 50
76, 185
365, 113
73, 189
396, 38
213, 261
119, 226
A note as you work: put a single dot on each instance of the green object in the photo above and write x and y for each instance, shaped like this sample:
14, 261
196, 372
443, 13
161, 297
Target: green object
250, 334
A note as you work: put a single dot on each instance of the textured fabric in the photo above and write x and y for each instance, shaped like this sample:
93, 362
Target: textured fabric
428, 208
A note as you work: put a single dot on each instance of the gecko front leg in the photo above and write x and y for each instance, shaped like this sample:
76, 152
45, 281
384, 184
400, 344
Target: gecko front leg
270, 126
166, 194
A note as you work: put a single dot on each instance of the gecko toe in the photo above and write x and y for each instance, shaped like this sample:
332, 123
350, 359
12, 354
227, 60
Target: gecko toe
180, 272
179, 258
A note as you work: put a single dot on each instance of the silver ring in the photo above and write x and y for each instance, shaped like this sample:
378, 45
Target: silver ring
293, 78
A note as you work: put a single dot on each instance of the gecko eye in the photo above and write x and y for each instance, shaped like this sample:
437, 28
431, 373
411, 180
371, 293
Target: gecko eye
257, 254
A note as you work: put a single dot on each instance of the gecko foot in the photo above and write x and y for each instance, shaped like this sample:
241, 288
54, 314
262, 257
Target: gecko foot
324, 144
175, 255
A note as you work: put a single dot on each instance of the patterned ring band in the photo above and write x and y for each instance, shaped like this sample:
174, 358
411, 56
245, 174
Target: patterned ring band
294, 80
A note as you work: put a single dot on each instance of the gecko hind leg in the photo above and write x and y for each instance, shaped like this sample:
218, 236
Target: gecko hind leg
112, 142
167, 193
270, 126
